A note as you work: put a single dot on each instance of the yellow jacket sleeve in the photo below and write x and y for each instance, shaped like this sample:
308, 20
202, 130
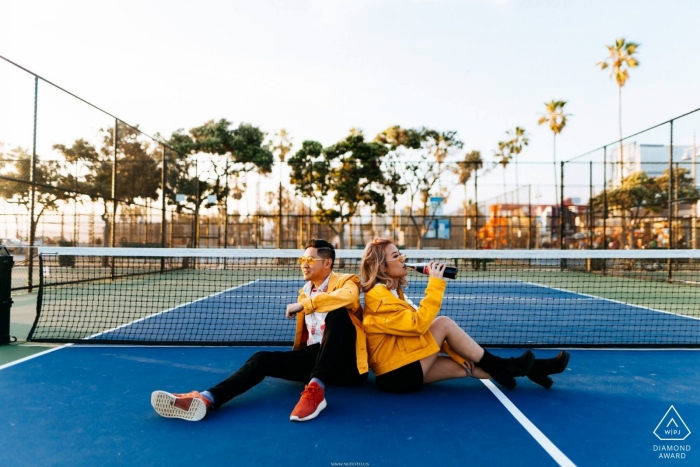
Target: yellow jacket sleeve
386, 314
453, 355
345, 296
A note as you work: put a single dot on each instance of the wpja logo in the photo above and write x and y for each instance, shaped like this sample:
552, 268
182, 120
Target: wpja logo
672, 428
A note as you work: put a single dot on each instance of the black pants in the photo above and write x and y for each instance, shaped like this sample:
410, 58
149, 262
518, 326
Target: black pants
333, 361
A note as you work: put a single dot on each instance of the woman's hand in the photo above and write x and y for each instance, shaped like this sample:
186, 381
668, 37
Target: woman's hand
469, 366
436, 269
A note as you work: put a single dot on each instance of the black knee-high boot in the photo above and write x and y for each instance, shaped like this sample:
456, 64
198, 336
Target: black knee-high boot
503, 370
543, 367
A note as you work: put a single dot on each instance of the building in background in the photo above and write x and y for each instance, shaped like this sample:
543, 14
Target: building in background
650, 158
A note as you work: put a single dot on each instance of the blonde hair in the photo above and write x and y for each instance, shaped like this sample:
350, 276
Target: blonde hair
372, 266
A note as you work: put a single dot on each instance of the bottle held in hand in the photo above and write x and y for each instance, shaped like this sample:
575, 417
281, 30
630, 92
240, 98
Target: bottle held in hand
450, 271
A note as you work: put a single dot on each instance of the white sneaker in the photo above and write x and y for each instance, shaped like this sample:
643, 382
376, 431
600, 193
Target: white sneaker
191, 406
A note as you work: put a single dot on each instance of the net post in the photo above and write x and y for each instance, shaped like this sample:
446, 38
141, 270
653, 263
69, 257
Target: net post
6, 263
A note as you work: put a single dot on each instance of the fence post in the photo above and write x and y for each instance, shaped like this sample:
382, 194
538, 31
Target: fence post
476, 210
591, 217
195, 227
670, 202
164, 203
561, 208
113, 231
605, 198
6, 263
226, 208
529, 217
32, 176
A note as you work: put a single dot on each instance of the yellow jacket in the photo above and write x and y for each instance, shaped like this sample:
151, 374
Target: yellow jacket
343, 292
396, 333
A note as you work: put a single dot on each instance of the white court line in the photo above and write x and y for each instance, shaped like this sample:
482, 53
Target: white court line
558, 456
39, 354
588, 297
609, 300
7, 365
166, 311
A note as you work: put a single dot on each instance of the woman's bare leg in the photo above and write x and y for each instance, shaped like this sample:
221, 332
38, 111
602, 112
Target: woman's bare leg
444, 329
444, 368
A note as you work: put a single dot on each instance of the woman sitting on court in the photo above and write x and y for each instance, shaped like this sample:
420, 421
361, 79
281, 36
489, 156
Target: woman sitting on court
404, 340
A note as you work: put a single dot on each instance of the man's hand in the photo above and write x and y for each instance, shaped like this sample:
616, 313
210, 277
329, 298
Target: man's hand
293, 309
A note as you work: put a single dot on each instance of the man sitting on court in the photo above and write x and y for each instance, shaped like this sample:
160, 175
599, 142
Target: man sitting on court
329, 346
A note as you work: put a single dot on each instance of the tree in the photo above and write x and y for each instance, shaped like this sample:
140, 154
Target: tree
684, 189
137, 172
397, 140
620, 60
639, 195
441, 145
556, 119
243, 151
15, 186
519, 138
426, 151
503, 158
280, 146
340, 178
464, 170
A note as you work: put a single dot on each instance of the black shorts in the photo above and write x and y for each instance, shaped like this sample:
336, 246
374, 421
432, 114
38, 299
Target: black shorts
408, 378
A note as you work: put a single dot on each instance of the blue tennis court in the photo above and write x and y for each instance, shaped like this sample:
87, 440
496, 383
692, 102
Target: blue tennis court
89, 405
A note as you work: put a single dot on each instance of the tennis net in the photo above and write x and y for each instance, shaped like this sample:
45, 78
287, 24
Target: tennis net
505, 298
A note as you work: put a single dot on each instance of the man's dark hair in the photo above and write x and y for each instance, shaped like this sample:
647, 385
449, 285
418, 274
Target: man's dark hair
324, 248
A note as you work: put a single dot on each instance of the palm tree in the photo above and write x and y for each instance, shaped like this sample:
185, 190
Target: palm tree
503, 158
515, 144
620, 61
464, 169
556, 119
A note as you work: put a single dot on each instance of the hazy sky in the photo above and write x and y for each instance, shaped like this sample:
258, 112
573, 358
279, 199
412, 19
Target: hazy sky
319, 68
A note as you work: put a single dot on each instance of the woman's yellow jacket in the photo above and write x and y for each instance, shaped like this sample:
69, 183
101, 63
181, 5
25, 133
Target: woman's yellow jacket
396, 333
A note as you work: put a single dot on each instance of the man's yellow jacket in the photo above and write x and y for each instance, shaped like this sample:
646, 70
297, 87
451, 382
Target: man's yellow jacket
343, 292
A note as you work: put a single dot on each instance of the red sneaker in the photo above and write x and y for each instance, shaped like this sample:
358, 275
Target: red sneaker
310, 405
191, 406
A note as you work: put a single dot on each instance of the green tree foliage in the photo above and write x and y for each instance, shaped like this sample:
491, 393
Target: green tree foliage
416, 165
518, 139
509, 149
620, 60
639, 195
15, 187
683, 186
242, 149
340, 178
467, 167
464, 170
555, 118
137, 174
503, 158
397, 140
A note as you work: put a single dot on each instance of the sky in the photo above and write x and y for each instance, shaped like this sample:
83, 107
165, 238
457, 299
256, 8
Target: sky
320, 67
